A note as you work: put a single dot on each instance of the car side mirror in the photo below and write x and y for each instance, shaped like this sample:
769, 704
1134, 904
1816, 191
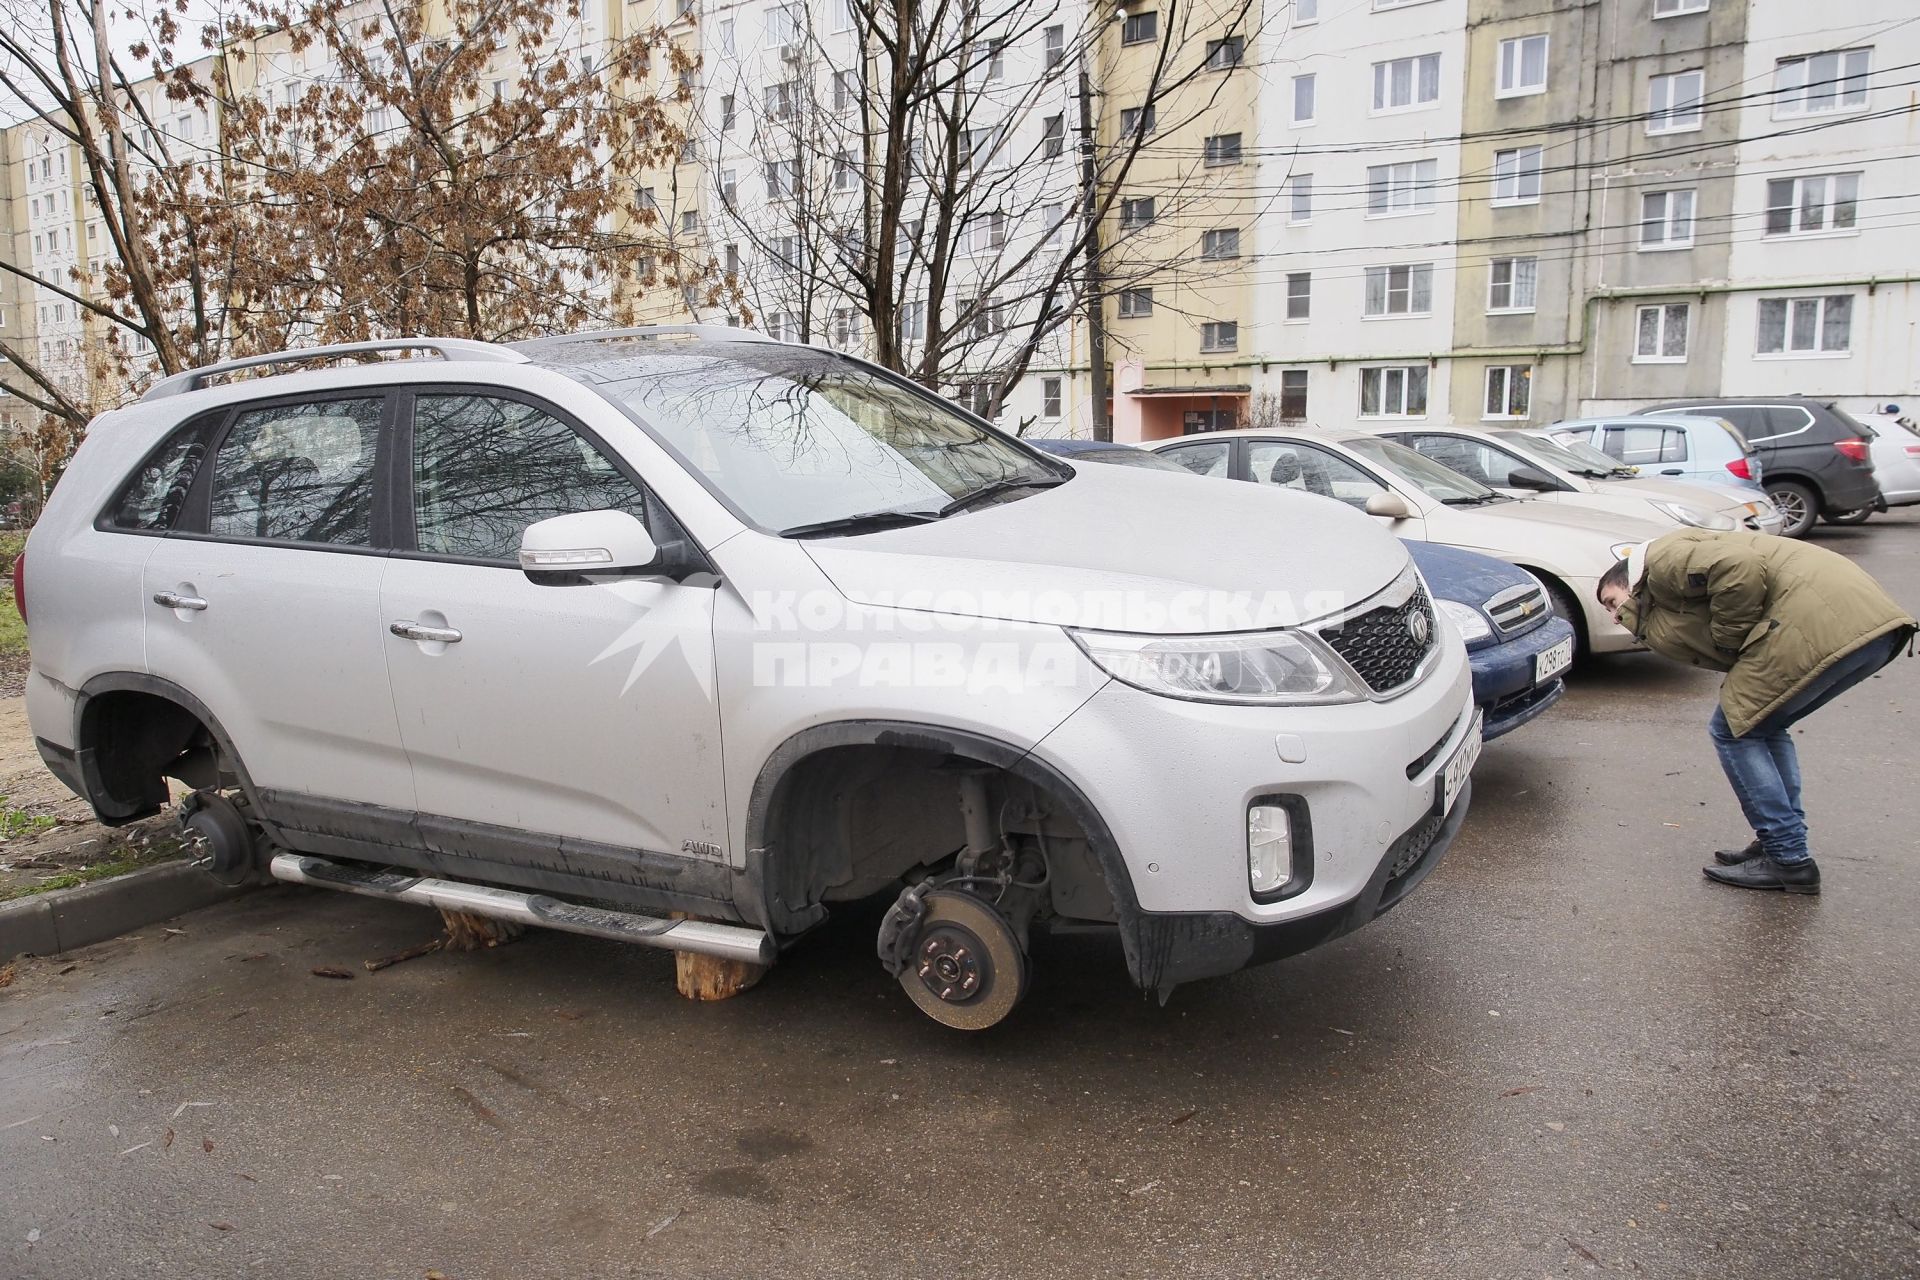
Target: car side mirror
586, 542
1532, 478
1389, 506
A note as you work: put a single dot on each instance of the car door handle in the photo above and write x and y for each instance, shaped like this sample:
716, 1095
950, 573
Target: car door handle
407, 629
1673, 471
174, 600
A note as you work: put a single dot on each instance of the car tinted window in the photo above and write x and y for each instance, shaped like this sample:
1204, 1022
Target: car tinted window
156, 492
1310, 470
1781, 419
298, 473
1208, 459
484, 468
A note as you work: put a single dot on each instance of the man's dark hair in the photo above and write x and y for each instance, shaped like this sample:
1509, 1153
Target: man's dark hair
1614, 577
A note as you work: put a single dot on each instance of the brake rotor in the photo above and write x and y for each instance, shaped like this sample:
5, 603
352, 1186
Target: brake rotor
966, 969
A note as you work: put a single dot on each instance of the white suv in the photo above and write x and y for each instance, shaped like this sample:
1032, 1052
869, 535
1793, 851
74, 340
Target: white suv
593, 630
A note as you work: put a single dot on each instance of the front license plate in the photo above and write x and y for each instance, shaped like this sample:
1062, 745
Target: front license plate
1454, 776
1551, 662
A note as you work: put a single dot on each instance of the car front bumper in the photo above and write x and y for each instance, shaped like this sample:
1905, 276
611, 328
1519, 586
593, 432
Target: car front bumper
1503, 678
1173, 781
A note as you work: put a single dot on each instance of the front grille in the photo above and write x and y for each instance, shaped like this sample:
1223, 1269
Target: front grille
1386, 645
1519, 609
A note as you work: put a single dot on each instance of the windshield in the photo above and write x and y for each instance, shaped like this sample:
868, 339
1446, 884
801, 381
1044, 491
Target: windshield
1125, 456
1563, 457
1592, 457
794, 437
1424, 474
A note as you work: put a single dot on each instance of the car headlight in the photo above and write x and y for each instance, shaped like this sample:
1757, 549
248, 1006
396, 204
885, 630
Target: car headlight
1471, 622
1694, 516
1262, 667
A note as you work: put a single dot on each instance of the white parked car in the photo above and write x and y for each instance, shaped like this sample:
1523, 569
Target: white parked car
1895, 450
596, 629
1567, 548
1522, 464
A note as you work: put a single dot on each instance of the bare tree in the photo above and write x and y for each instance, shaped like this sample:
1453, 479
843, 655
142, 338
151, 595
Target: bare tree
915, 186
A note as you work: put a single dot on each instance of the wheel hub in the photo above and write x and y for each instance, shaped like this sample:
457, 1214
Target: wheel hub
949, 963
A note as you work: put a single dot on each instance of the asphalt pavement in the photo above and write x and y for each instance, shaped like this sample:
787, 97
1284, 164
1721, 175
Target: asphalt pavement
1567, 1054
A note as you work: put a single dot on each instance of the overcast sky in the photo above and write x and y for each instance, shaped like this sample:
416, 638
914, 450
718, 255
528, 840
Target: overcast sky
28, 18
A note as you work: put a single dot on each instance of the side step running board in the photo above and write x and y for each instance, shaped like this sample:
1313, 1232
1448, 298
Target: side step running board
731, 942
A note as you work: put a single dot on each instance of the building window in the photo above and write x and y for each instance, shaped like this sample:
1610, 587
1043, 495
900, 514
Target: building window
1516, 175
1225, 54
1135, 303
1135, 120
1303, 100
1666, 220
729, 187
1673, 102
779, 99
845, 175
1221, 244
726, 35
1055, 39
846, 327
1821, 83
1406, 83
1660, 333
727, 111
784, 25
1821, 204
1136, 211
1299, 295
1674, 8
690, 222
989, 231
783, 178
1806, 326
1299, 199
1054, 218
1399, 291
733, 259
1395, 391
840, 14
1219, 335
1222, 149
1406, 187
1049, 397
1511, 283
1523, 67
979, 149
987, 60
689, 151
1293, 394
913, 322
845, 90
1305, 11
1053, 136
1139, 28
1508, 388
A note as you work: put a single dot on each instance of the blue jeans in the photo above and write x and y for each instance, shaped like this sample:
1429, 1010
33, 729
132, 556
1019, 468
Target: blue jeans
1763, 766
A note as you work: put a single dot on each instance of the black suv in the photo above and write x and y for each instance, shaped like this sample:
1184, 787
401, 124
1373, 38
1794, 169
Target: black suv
1813, 457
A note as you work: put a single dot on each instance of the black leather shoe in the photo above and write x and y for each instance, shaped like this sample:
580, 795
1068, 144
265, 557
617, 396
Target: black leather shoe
1764, 873
1734, 857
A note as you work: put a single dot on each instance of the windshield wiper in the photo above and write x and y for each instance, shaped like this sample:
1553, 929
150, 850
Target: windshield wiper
861, 523
1008, 485
1474, 501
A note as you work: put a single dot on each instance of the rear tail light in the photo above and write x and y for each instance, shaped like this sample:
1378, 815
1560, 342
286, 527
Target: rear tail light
1854, 449
1740, 468
1913, 451
20, 584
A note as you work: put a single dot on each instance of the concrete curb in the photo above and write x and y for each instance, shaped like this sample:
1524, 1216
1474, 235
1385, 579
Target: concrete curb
63, 919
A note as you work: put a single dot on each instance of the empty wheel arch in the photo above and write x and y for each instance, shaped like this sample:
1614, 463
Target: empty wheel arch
136, 731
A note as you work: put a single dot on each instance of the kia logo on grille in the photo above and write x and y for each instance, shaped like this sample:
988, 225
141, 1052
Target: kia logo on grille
1417, 626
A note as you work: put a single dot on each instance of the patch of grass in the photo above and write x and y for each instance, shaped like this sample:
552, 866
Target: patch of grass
15, 823
121, 861
13, 630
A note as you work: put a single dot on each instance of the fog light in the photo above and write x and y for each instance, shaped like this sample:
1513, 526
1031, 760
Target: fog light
1269, 848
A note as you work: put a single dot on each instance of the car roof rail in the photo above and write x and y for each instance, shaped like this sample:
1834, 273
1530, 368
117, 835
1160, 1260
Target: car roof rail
713, 332
445, 348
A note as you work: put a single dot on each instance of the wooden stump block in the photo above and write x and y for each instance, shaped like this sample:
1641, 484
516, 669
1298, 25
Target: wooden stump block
468, 932
704, 977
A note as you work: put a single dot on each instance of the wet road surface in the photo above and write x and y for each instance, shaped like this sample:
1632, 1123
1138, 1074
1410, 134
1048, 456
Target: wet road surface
1568, 1054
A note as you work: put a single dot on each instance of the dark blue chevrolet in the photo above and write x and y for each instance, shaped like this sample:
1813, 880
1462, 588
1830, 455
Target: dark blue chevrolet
1518, 648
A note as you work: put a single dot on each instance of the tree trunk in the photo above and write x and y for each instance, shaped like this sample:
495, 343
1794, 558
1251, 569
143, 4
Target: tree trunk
468, 932
704, 977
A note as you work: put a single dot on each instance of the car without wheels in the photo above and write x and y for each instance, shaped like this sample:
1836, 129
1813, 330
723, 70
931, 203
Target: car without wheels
595, 631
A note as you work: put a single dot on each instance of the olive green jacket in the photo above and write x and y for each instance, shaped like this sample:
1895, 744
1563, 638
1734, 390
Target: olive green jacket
1770, 612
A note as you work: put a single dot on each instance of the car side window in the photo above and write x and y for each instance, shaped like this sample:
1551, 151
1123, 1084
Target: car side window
1784, 419
1212, 458
485, 467
155, 494
1750, 419
1310, 470
1643, 446
299, 473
